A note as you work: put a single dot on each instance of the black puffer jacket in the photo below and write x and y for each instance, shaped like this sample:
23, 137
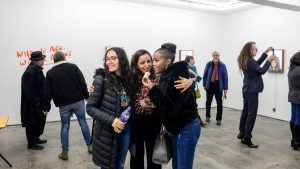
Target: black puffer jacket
103, 106
175, 109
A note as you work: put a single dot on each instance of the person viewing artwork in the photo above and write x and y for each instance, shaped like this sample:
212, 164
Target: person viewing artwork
252, 86
33, 106
65, 84
195, 77
293, 96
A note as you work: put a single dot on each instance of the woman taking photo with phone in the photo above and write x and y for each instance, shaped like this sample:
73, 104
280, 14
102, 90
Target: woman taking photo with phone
252, 86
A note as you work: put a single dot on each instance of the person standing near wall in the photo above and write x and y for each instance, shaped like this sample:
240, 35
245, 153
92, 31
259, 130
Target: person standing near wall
33, 107
252, 86
66, 85
215, 81
294, 93
195, 77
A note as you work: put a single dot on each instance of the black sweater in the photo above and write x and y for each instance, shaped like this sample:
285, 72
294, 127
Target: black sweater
174, 108
65, 84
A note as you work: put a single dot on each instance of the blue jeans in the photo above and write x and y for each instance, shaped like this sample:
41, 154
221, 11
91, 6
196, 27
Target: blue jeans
65, 114
184, 145
295, 117
123, 141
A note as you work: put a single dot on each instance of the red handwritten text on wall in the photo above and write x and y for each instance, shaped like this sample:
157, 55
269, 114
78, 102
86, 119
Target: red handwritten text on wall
24, 55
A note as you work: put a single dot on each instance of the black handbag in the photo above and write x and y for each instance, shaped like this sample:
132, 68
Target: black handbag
162, 152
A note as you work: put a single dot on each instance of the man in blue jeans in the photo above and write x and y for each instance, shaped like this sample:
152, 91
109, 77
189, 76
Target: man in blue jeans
66, 85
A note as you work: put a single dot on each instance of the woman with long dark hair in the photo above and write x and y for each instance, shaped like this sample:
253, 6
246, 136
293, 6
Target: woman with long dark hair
176, 109
294, 98
146, 124
252, 85
112, 94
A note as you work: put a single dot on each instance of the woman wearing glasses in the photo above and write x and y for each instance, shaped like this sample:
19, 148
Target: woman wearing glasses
112, 94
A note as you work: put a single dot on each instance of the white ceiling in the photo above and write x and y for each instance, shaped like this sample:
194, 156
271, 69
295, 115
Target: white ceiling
221, 6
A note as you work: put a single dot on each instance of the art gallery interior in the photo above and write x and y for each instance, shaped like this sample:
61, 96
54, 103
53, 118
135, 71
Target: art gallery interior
83, 30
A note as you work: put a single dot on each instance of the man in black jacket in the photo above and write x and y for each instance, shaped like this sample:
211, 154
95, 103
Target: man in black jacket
33, 117
66, 85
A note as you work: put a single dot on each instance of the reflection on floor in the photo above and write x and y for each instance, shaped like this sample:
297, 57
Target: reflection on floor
218, 147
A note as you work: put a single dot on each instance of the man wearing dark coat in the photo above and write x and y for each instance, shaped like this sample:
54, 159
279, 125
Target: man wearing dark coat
33, 108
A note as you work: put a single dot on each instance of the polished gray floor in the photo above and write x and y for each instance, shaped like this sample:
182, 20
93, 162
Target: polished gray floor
217, 148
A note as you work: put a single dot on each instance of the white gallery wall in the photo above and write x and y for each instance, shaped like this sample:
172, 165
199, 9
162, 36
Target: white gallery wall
267, 27
82, 29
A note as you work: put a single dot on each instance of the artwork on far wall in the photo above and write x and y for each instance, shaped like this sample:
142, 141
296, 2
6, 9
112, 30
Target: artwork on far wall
184, 53
277, 65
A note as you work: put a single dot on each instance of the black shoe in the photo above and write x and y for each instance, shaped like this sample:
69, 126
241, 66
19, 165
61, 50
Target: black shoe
297, 137
207, 119
203, 124
248, 142
292, 143
218, 122
35, 147
240, 136
41, 141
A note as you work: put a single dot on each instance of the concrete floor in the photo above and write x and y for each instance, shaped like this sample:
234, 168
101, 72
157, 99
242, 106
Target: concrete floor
218, 147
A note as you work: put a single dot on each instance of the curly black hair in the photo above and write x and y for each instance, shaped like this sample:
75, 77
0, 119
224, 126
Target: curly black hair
124, 80
168, 51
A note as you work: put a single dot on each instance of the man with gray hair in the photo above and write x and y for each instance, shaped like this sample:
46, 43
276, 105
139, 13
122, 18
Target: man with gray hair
66, 85
215, 81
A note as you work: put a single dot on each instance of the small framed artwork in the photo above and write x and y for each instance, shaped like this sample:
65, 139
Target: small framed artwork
277, 65
184, 53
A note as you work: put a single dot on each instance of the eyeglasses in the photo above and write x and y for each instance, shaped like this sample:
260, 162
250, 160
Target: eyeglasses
111, 59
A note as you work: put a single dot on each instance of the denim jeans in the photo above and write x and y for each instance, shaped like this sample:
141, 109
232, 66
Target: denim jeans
295, 116
184, 145
123, 141
65, 114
